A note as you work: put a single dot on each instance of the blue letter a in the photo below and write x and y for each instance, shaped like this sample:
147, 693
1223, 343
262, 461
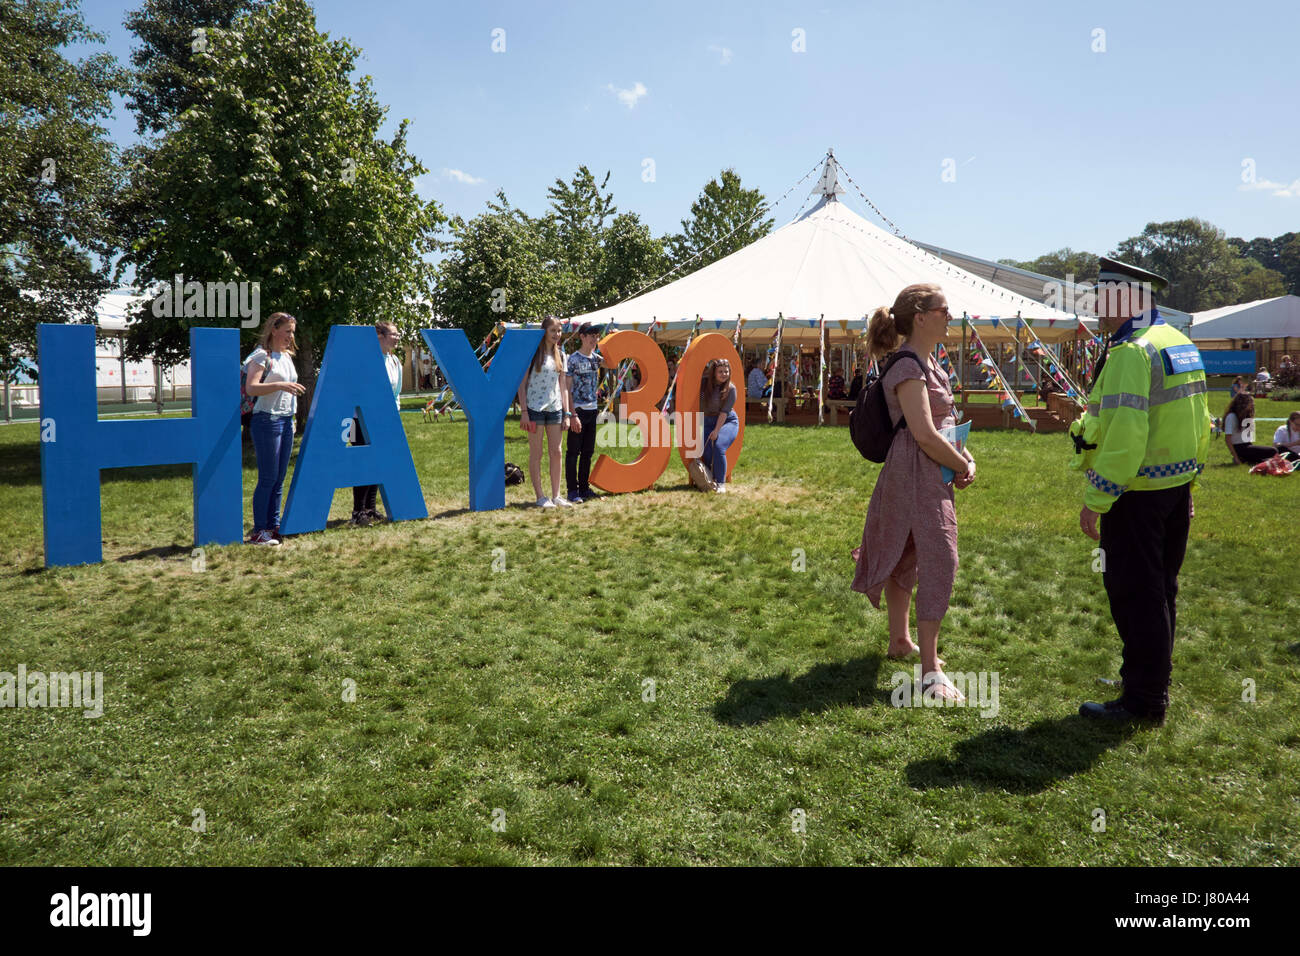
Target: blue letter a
352, 384
75, 444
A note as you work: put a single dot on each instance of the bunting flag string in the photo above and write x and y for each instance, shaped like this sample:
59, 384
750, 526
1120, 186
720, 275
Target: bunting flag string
946, 364
983, 361
1049, 363
672, 385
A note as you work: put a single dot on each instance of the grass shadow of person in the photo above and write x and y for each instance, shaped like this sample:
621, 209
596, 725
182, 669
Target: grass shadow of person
753, 701
1021, 761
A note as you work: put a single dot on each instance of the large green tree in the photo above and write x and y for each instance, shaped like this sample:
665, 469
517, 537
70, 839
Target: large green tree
1254, 282
1202, 267
1072, 264
172, 33
59, 172
505, 265
726, 217
631, 259
1281, 254
500, 268
277, 174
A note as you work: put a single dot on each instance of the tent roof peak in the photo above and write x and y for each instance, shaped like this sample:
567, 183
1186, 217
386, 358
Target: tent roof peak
828, 185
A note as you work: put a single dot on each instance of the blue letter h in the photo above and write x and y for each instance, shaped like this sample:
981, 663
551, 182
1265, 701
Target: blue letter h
75, 444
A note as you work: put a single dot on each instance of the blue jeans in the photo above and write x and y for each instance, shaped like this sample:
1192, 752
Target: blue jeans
715, 453
273, 443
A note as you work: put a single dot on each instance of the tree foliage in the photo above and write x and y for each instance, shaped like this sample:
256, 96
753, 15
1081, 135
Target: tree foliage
165, 81
1067, 264
505, 265
277, 174
59, 173
1203, 269
499, 269
1281, 254
725, 218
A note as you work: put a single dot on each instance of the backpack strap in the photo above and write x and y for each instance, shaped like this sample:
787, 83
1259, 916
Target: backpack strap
900, 354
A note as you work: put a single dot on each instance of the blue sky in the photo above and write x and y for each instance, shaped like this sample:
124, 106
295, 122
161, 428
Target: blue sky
1054, 141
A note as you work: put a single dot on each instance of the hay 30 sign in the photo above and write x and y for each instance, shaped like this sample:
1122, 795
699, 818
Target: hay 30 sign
76, 445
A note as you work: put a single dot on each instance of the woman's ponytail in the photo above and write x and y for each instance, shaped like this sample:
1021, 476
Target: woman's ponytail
882, 335
888, 327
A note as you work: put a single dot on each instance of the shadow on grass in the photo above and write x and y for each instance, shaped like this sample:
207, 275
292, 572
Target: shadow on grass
1021, 761
754, 701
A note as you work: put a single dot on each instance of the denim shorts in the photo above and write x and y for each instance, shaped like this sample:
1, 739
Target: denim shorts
545, 418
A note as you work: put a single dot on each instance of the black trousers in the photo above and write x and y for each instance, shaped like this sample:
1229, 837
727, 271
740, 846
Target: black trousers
1254, 454
1143, 541
363, 496
577, 454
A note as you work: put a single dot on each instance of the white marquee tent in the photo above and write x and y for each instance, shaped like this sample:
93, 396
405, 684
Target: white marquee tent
1277, 318
829, 262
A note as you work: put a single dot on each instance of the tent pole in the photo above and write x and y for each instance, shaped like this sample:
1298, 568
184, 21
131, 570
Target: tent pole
961, 364
821, 370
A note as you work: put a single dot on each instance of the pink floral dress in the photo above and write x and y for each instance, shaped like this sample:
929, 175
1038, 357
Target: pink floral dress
911, 529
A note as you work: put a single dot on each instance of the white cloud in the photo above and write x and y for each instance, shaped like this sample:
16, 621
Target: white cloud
462, 177
630, 97
1286, 191
724, 54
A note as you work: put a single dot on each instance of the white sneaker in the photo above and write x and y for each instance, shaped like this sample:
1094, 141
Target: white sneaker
720, 487
545, 503
564, 502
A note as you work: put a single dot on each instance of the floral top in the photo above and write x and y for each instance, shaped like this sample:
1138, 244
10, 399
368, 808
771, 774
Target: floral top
584, 371
544, 386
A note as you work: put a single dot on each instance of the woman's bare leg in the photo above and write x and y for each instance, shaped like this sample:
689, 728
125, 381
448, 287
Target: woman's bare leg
928, 631
535, 459
899, 603
553, 433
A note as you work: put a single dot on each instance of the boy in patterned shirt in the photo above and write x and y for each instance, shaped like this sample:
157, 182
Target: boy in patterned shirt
583, 368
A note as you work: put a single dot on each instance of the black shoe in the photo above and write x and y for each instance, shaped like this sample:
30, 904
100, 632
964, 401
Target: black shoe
1115, 712
360, 519
374, 515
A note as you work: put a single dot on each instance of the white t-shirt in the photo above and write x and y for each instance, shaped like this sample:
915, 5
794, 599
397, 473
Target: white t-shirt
281, 370
1243, 436
543, 391
394, 366
1284, 436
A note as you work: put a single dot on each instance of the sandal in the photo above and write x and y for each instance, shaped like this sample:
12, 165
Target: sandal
940, 679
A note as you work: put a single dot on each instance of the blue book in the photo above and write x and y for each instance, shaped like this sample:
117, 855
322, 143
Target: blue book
956, 436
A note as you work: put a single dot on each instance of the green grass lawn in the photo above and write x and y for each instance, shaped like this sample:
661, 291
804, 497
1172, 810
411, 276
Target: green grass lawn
524, 690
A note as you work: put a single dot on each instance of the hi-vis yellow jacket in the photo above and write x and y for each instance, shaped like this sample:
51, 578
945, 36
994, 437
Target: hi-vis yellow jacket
1147, 425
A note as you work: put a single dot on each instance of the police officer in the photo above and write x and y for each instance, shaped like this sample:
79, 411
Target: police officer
1142, 441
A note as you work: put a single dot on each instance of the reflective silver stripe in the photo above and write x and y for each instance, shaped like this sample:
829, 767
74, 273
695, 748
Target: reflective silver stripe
1160, 396
1127, 399
1157, 366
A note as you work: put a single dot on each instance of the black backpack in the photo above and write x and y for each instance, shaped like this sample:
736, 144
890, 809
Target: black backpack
870, 425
